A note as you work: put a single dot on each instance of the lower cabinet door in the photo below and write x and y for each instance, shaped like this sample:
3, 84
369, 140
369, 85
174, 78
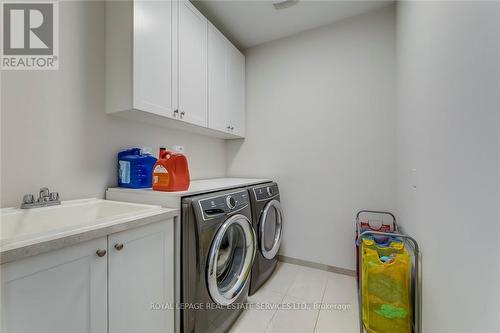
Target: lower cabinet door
141, 276
58, 292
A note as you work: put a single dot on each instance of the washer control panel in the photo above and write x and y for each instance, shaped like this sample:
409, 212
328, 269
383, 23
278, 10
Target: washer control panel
266, 192
223, 204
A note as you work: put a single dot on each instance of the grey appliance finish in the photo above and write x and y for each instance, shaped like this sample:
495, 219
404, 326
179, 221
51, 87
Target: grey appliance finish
218, 249
268, 224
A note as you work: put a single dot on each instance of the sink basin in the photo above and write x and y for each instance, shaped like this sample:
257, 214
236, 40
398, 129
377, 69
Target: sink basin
18, 224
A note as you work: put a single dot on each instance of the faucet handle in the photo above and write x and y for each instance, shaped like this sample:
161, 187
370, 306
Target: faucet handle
43, 194
28, 199
54, 196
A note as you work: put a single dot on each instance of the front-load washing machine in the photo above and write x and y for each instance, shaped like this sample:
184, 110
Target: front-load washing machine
268, 224
218, 250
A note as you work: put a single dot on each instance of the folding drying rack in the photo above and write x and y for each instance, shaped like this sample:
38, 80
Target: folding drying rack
416, 274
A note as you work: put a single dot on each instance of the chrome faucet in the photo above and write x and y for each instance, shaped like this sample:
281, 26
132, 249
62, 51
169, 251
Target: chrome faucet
45, 198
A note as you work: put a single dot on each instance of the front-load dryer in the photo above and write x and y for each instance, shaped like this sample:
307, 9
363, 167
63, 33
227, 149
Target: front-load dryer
268, 224
218, 250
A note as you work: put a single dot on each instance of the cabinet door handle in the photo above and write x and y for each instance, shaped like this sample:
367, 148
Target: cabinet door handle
182, 114
229, 127
119, 246
176, 113
100, 253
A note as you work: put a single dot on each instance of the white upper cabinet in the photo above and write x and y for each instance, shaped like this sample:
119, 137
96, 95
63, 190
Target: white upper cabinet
154, 70
236, 90
192, 65
167, 67
226, 85
217, 80
141, 58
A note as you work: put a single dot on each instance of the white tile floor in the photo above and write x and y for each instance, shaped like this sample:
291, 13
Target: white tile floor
297, 286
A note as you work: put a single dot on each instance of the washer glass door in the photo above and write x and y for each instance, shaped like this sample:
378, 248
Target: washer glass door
270, 229
230, 259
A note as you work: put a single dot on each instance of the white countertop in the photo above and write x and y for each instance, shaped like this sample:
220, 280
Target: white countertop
197, 187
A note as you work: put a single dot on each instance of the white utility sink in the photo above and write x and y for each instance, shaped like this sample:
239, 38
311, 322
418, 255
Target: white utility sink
20, 224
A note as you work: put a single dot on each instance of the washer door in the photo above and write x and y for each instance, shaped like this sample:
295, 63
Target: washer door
270, 228
230, 259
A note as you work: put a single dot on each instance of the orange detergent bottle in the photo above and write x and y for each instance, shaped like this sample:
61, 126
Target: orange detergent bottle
171, 172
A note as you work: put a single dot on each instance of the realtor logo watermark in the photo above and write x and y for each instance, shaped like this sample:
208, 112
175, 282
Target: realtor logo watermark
30, 35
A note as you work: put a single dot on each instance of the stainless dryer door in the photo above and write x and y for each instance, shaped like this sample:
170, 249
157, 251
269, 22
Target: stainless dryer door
230, 259
270, 229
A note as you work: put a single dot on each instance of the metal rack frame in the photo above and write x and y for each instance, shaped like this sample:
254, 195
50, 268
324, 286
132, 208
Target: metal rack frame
417, 276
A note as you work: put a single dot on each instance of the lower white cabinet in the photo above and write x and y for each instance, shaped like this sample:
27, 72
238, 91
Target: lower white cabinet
66, 290
58, 292
141, 272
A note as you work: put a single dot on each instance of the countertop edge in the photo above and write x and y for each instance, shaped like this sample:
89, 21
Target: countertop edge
65, 241
188, 192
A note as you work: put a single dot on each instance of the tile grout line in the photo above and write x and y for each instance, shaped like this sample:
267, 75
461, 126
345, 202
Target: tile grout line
285, 294
322, 295
319, 311
274, 314
290, 286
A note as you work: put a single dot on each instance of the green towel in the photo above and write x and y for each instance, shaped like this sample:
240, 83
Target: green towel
392, 312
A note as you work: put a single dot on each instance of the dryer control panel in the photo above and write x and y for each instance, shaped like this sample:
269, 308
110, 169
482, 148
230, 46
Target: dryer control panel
224, 204
266, 192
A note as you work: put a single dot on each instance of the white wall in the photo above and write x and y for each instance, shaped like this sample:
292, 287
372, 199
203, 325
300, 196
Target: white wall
448, 129
54, 130
321, 121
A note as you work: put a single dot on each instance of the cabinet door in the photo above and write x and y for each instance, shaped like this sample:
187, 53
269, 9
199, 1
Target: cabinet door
217, 80
141, 272
193, 90
236, 90
57, 292
155, 57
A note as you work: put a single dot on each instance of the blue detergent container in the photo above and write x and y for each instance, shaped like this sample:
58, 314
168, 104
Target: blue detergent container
135, 168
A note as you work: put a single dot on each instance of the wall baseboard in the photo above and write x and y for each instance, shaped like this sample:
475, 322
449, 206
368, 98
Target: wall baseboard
316, 265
